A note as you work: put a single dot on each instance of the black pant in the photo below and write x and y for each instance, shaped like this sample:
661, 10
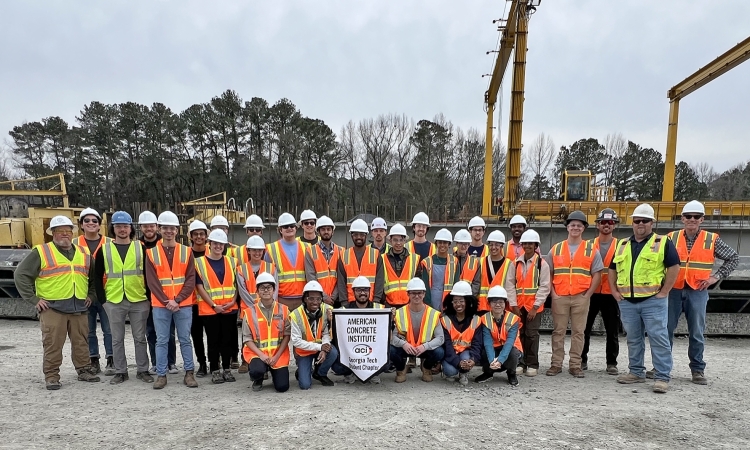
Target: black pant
509, 365
607, 305
257, 369
221, 334
529, 335
196, 331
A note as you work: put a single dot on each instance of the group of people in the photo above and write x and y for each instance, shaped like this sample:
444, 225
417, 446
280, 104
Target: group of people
456, 303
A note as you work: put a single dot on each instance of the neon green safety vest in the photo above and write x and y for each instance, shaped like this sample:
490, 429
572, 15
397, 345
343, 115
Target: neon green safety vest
124, 279
60, 278
648, 272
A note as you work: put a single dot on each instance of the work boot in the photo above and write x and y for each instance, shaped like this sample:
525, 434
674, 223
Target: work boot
87, 374
699, 378
202, 370
411, 362
660, 387
145, 377
513, 379
234, 364
650, 373
257, 385
426, 374
629, 378
216, 377
484, 377
576, 372
437, 369
243, 368
463, 379
400, 376
119, 378
160, 382
553, 370
189, 379
53, 385
612, 369
228, 377
109, 370
95, 366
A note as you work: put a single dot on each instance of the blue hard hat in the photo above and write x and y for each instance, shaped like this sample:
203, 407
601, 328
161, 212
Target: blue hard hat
121, 218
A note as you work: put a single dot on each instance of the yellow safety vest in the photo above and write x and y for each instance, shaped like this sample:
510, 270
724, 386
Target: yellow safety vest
124, 278
648, 272
299, 316
60, 278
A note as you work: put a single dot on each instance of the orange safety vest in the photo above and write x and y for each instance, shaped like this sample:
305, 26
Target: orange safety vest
527, 284
395, 286
171, 280
450, 274
430, 320
604, 286
461, 340
368, 268
220, 293
410, 247
513, 250
499, 336
267, 335
695, 266
572, 276
470, 267
325, 271
486, 284
291, 278
247, 274
81, 242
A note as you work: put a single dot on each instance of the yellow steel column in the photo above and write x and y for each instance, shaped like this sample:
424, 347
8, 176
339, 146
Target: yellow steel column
487, 193
513, 161
667, 192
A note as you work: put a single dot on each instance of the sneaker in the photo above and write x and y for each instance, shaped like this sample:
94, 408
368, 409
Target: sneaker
88, 375
450, 379
145, 377
217, 377
513, 379
375, 379
95, 366
576, 372
243, 368
257, 385
612, 369
324, 380
584, 366
160, 382
531, 372
484, 377
350, 379
53, 385
553, 370
189, 379
152, 370
650, 374
202, 370
228, 377
463, 379
699, 378
173, 369
660, 387
109, 370
119, 378
629, 378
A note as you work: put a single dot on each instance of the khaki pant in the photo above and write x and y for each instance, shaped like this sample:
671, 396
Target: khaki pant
55, 327
576, 309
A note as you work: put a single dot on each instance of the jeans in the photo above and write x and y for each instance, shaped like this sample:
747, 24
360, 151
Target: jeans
450, 371
305, 366
431, 357
611, 318
693, 304
280, 377
94, 309
340, 369
648, 316
151, 337
182, 319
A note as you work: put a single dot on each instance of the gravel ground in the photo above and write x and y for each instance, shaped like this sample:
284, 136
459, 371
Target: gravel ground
542, 412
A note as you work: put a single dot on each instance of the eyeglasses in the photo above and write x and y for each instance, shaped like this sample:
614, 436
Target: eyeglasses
254, 230
362, 290
397, 240
607, 222
692, 216
496, 300
640, 221
309, 223
90, 220
63, 232
416, 293
286, 227
265, 287
315, 299
459, 302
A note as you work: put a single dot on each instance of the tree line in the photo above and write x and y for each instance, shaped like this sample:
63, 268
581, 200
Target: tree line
116, 156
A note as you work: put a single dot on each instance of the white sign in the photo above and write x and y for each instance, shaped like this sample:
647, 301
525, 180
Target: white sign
363, 337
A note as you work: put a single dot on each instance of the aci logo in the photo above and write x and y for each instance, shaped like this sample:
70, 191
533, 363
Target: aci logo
362, 349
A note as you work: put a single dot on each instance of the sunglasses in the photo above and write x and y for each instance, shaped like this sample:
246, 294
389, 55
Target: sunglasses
309, 223
607, 222
692, 216
90, 220
640, 221
254, 230
286, 227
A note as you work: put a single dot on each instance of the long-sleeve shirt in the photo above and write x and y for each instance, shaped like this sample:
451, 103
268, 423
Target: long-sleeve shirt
311, 273
27, 272
300, 343
545, 281
489, 348
451, 357
436, 339
242, 287
343, 293
152, 279
722, 251
436, 278
122, 249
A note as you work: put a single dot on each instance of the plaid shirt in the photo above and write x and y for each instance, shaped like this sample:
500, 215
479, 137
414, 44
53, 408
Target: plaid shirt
327, 251
722, 251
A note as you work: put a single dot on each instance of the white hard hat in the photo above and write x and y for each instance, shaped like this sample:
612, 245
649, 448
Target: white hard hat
312, 286
146, 217
256, 243
361, 282
422, 218
497, 292
496, 236
197, 225
378, 223
219, 221
89, 212
218, 236
325, 221
359, 226
415, 284
517, 219
60, 221
397, 230
462, 237
444, 235
286, 219
254, 222
307, 215
263, 278
477, 221
644, 210
694, 207
530, 236
462, 288
168, 218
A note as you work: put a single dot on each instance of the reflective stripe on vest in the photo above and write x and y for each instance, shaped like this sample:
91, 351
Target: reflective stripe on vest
60, 278
572, 276
83, 243
486, 284
299, 317
124, 279
368, 268
430, 320
500, 336
646, 277
696, 265
410, 247
267, 335
448, 279
291, 278
461, 340
527, 284
221, 293
247, 274
470, 267
395, 286
326, 271
171, 280
607, 260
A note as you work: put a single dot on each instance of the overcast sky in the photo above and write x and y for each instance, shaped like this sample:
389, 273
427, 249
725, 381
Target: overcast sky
594, 67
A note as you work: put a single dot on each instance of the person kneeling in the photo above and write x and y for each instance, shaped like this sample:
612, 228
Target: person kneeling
502, 346
311, 338
463, 333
